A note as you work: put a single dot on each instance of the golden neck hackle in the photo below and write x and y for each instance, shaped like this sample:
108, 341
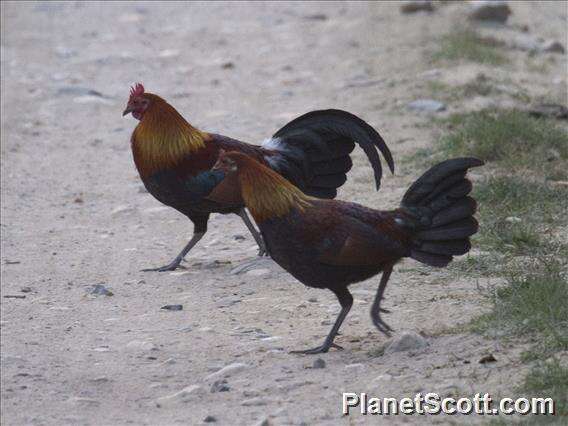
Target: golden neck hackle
267, 194
163, 137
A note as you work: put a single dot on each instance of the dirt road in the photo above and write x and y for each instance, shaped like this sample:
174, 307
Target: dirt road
74, 214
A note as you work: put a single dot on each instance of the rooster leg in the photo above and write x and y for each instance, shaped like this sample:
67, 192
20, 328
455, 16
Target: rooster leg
346, 301
376, 308
256, 235
175, 263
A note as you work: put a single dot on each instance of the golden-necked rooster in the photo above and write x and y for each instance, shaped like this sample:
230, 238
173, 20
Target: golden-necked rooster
332, 244
174, 159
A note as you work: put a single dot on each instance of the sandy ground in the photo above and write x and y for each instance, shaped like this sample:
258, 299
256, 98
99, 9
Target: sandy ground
74, 214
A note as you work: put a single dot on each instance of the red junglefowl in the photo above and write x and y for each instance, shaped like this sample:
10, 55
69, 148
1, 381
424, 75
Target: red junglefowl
174, 159
332, 244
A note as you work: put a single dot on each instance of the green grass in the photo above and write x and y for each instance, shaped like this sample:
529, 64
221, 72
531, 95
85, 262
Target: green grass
467, 45
532, 305
549, 379
512, 196
511, 138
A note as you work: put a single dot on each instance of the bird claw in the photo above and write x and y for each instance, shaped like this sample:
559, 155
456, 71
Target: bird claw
382, 326
320, 349
171, 267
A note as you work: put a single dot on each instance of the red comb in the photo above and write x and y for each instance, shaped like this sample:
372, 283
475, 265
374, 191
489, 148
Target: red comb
136, 90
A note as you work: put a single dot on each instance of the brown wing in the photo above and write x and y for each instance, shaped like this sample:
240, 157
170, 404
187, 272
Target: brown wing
361, 239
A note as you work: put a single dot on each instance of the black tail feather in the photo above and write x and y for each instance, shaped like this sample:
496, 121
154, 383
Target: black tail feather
319, 144
441, 212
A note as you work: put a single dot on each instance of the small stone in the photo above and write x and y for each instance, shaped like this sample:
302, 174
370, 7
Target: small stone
210, 419
100, 290
553, 46
227, 371
426, 105
487, 359
560, 112
513, 219
316, 17
407, 341
220, 386
226, 302
258, 272
313, 300
263, 422
416, 6
254, 402
227, 65
383, 378
239, 237
122, 211
183, 395
318, 363
83, 401
172, 307
355, 367
489, 10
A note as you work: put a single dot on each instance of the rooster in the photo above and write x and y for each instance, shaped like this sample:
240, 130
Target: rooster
174, 160
332, 244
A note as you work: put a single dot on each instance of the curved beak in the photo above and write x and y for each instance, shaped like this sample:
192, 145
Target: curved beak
127, 111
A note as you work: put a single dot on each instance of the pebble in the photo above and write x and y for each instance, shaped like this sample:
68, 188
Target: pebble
220, 386
183, 395
172, 307
26, 289
263, 422
122, 210
557, 111
258, 272
83, 401
210, 419
553, 46
416, 6
226, 302
513, 219
406, 341
426, 105
355, 367
254, 402
78, 91
489, 10
227, 371
100, 290
140, 345
318, 363
383, 378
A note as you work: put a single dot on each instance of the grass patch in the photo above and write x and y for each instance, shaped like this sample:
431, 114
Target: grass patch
480, 266
549, 379
533, 305
470, 46
510, 196
512, 138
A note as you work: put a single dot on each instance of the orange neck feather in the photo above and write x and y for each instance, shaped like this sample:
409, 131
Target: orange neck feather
163, 137
266, 193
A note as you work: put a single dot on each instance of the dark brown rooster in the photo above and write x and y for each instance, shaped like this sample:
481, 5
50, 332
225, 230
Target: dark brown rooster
174, 159
332, 244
